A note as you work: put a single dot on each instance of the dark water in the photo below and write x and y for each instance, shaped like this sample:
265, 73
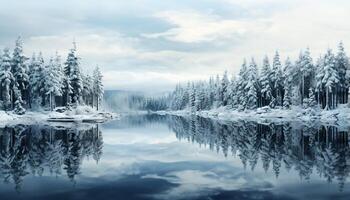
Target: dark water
168, 157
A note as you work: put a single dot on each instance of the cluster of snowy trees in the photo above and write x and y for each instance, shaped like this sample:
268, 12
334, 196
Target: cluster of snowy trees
322, 84
305, 149
39, 150
32, 83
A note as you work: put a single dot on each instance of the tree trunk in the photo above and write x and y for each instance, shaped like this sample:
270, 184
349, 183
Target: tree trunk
327, 99
97, 106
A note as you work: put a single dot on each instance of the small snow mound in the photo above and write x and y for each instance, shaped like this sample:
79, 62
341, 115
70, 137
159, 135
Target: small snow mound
264, 109
5, 116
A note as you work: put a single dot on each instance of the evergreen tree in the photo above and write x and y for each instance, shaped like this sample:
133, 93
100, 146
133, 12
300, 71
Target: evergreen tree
98, 86
266, 91
232, 90
312, 99
342, 65
224, 96
288, 83
251, 85
193, 99
330, 78
72, 71
88, 90
19, 70
53, 81
276, 78
307, 73
37, 79
241, 85
218, 96
6, 80
18, 109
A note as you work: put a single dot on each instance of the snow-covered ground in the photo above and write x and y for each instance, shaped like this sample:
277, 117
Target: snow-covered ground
340, 115
79, 114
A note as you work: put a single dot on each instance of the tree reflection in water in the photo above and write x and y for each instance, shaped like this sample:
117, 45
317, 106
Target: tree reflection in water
37, 149
305, 148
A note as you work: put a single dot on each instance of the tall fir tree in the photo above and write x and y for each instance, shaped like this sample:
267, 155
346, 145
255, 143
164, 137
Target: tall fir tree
330, 78
98, 86
20, 71
72, 71
266, 91
276, 81
343, 66
251, 85
6, 80
224, 97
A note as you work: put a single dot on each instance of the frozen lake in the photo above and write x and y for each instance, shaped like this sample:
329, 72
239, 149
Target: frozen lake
170, 157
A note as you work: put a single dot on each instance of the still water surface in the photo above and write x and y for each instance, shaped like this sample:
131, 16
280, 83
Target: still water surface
169, 157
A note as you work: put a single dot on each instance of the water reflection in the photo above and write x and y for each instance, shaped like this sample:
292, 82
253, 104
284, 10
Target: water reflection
37, 149
304, 148
169, 167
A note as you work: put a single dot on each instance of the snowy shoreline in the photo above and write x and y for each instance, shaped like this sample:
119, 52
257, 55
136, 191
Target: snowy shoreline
339, 116
82, 114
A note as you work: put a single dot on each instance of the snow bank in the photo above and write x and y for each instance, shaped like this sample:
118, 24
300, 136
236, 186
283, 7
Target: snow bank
60, 115
341, 115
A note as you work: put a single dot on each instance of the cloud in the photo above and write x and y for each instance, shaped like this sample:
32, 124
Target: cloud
192, 26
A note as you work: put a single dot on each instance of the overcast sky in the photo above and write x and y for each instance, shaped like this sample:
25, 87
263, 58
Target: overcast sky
150, 45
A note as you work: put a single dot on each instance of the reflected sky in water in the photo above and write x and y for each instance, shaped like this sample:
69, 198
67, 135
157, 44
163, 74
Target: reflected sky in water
168, 157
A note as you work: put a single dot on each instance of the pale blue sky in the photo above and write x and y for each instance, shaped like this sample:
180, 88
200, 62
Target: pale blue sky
150, 45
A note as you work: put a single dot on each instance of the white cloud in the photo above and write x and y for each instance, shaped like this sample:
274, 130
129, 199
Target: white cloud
193, 26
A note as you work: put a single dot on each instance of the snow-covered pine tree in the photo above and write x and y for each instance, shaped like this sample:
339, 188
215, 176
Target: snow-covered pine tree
288, 83
312, 99
342, 64
6, 80
88, 88
58, 69
53, 82
198, 98
185, 97
330, 78
318, 80
266, 91
277, 80
251, 85
98, 86
193, 98
232, 92
72, 71
241, 85
68, 90
307, 73
211, 92
218, 96
18, 108
37, 80
20, 71
224, 96
287, 100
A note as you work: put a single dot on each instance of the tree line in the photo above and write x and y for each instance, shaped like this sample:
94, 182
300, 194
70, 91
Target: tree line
322, 84
33, 83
